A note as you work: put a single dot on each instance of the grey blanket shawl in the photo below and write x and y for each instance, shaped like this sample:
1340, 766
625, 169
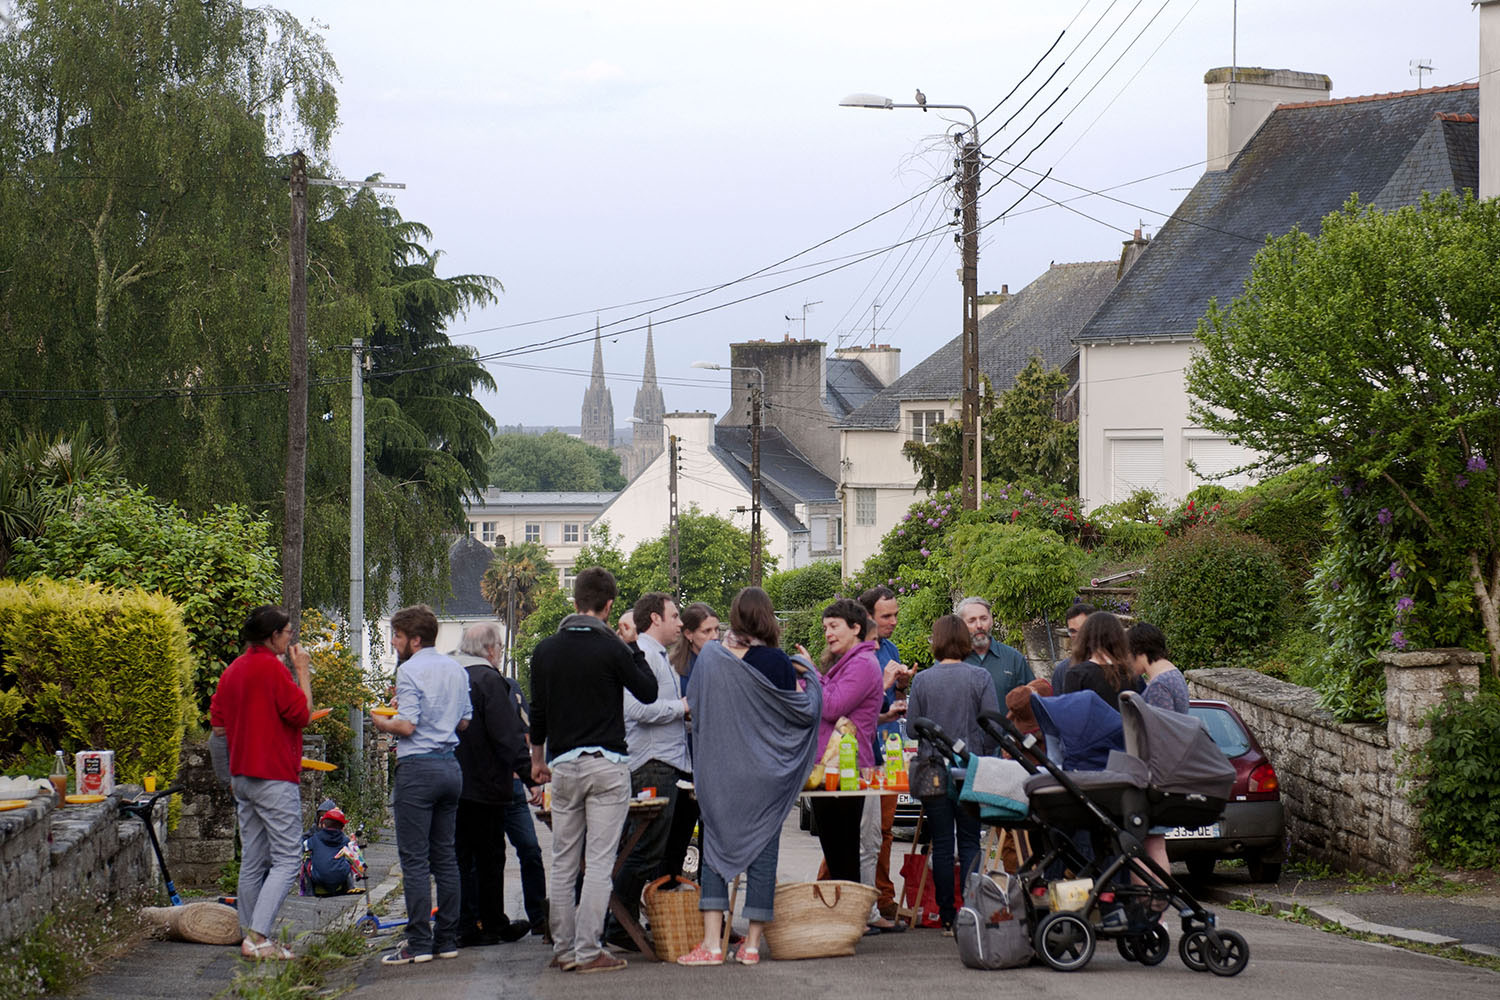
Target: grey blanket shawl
753, 748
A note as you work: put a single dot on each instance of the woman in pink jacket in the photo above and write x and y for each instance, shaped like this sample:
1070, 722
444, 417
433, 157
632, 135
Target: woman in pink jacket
849, 827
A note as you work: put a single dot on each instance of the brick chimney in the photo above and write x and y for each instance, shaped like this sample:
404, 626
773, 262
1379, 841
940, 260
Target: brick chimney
1240, 98
1134, 247
1489, 97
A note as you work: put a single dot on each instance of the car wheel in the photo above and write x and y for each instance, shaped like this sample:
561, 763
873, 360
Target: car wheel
1201, 865
1065, 940
1262, 870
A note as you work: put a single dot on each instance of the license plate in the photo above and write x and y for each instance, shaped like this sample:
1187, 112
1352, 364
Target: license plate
902, 799
1210, 832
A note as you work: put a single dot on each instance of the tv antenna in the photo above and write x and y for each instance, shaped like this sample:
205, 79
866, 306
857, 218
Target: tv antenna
806, 308
1418, 67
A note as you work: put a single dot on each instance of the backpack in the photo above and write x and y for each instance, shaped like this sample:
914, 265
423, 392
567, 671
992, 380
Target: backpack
993, 929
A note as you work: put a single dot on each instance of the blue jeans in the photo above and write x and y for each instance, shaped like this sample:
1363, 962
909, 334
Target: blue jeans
760, 885
944, 819
425, 803
521, 830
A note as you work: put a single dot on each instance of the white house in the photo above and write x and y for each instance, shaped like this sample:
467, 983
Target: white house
559, 521
1289, 157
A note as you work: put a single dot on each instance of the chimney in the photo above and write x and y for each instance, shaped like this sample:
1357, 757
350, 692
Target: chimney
986, 303
883, 360
1134, 247
1489, 97
694, 429
1240, 98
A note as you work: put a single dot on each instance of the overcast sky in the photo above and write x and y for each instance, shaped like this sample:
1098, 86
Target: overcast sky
614, 158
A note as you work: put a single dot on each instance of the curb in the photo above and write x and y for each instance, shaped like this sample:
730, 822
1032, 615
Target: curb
1324, 909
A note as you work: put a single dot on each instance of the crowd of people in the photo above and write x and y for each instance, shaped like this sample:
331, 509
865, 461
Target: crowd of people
708, 718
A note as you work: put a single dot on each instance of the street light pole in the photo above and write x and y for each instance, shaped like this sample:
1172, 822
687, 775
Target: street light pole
967, 185
757, 396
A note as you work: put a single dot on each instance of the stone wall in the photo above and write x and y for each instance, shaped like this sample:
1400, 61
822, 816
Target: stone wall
51, 856
203, 841
1346, 802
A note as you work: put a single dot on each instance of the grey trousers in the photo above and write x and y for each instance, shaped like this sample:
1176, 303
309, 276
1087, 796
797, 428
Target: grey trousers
270, 815
590, 800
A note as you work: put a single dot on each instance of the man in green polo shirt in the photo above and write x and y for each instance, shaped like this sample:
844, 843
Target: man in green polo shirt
1006, 666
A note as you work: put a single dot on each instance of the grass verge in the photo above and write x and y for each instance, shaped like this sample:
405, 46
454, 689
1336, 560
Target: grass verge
317, 971
1301, 915
66, 947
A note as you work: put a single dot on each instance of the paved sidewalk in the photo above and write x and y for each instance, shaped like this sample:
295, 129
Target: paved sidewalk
176, 969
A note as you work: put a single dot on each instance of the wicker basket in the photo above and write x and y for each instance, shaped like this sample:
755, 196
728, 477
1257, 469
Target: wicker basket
818, 919
676, 922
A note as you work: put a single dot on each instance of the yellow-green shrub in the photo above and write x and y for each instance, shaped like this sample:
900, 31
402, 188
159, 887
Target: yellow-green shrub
87, 668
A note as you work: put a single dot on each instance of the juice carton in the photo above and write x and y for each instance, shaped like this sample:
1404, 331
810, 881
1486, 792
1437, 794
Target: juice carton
96, 771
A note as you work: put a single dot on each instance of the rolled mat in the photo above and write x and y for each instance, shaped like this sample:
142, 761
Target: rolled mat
200, 923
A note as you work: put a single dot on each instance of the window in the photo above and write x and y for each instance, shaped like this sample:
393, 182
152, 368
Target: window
570, 534
487, 532
533, 531
569, 577
924, 425
1135, 463
864, 506
1211, 455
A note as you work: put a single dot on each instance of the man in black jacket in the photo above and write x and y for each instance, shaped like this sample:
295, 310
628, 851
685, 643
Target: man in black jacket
488, 752
578, 680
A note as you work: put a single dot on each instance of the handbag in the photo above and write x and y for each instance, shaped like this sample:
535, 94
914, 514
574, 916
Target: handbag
929, 777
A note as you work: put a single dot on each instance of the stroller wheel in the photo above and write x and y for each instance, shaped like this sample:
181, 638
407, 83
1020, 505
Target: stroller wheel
367, 926
1190, 949
1127, 947
1231, 959
1065, 940
1154, 946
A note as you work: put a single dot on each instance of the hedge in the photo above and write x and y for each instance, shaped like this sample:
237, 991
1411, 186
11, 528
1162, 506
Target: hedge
83, 667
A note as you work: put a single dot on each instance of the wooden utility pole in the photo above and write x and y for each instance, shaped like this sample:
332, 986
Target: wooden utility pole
969, 185
296, 414
755, 543
676, 563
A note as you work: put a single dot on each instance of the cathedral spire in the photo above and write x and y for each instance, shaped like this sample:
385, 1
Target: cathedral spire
598, 419
598, 376
649, 377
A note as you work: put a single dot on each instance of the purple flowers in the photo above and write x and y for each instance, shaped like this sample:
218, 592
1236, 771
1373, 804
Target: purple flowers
925, 553
1403, 609
1460, 480
1395, 572
1398, 639
900, 531
1477, 464
1346, 492
1384, 517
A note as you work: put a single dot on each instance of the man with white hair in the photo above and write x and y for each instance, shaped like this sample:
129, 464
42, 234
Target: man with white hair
1006, 666
488, 752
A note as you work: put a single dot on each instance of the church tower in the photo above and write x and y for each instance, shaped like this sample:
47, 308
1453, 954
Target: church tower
598, 410
648, 439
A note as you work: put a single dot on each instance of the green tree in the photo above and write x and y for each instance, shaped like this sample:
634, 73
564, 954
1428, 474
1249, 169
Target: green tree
713, 559
41, 475
215, 567
1023, 439
524, 564
1026, 573
552, 461
1373, 347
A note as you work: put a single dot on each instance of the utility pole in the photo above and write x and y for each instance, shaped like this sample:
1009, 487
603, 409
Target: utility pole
755, 543
357, 538
969, 186
510, 625
296, 415
675, 568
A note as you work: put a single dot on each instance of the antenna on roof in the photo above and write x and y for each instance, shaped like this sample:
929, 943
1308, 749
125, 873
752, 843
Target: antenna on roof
1418, 67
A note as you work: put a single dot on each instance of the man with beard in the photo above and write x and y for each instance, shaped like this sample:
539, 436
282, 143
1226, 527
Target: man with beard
432, 706
1006, 666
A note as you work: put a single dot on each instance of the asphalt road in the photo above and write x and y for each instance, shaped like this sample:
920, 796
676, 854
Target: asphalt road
1287, 961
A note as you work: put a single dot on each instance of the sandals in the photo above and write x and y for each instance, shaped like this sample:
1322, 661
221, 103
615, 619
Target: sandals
267, 949
703, 956
747, 956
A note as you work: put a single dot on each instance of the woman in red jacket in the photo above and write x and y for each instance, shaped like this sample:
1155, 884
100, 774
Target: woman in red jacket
261, 712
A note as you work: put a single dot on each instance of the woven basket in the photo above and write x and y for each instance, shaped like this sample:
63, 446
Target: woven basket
818, 919
676, 922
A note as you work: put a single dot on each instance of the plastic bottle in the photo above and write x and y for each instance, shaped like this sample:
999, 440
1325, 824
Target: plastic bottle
895, 759
848, 763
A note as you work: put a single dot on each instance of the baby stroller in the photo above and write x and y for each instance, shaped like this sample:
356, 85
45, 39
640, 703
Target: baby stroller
1170, 773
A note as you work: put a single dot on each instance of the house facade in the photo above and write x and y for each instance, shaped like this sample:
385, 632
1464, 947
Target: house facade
558, 521
1301, 160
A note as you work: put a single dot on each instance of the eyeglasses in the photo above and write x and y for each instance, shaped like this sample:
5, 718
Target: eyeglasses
1072, 633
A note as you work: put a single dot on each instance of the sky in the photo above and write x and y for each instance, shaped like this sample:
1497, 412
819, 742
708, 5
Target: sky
659, 159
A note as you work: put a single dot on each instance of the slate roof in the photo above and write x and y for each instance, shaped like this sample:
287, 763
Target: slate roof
561, 502
786, 478
1041, 318
1303, 163
468, 558
851, 385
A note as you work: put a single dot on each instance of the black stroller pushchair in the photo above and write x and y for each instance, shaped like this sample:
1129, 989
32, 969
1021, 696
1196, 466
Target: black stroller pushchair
1171, 773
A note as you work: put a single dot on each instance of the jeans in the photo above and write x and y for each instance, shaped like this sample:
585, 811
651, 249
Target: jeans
643, 862
521, 830
425, 803
590, 800
270, 817
944, 818
760, 885
480, 842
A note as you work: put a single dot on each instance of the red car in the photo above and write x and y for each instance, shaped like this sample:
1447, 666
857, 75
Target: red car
1253, 826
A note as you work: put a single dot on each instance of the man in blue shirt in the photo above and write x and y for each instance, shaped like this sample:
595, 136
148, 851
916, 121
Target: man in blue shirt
1006, 666
881, 605
432, 706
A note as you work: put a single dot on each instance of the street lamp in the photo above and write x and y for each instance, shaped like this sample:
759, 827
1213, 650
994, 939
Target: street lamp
756, 395
968, 165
